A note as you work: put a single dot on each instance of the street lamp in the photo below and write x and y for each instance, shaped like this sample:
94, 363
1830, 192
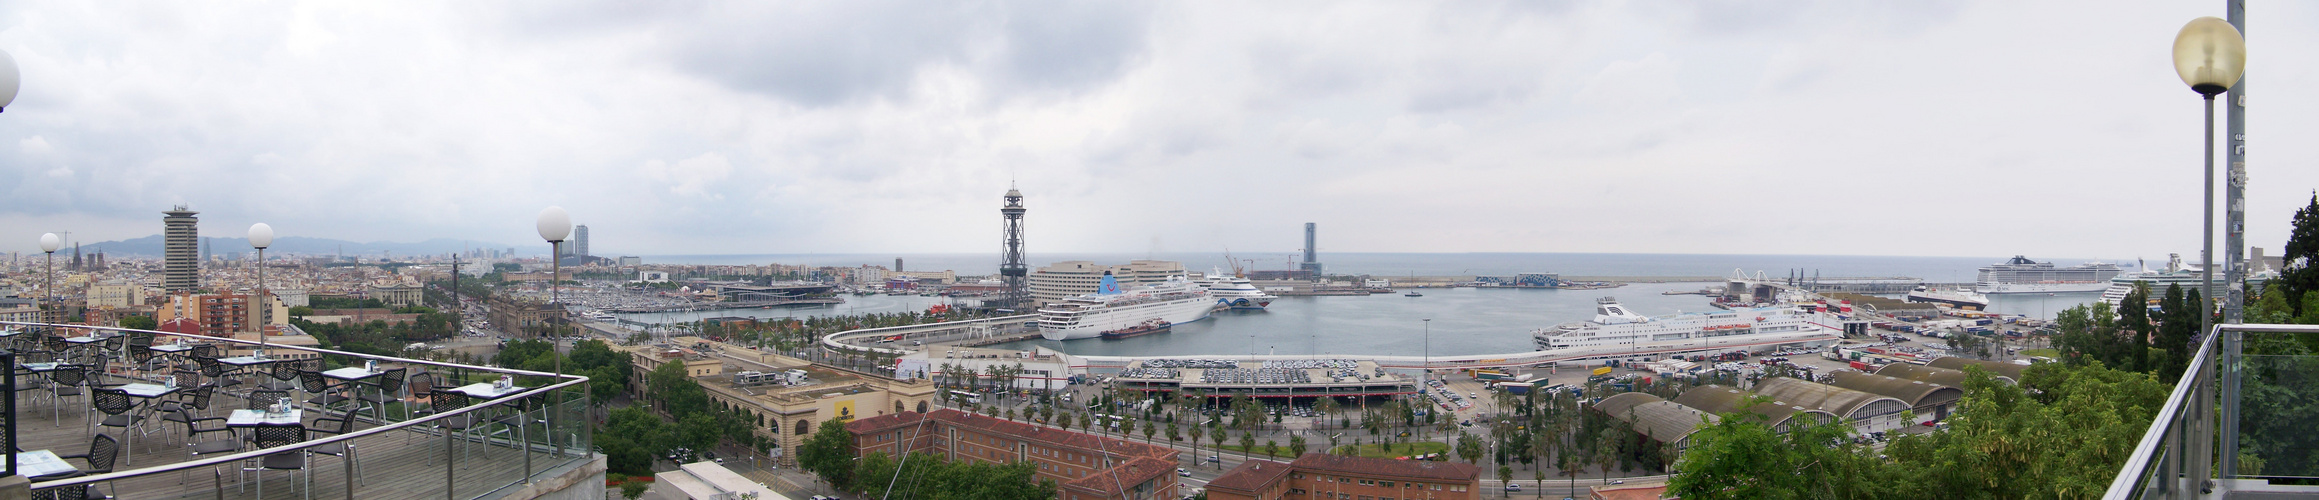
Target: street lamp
261, 236
554, 225
2210, 56
48, 244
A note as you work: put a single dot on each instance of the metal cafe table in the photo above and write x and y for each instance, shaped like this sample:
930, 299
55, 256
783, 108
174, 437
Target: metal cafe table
37, 463
144, 391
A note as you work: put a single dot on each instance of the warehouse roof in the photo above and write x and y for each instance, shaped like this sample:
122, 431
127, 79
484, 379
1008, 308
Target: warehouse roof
1917, 393
1843, 403
1723, 399
1662, 420
1994, 367
1942, 376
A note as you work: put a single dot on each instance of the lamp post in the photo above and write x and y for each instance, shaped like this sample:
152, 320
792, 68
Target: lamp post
554, 225
1425, 373
261, 236
48, 244
2210, 56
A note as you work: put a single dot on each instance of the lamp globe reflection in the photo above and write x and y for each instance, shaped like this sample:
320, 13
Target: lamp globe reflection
2210, 55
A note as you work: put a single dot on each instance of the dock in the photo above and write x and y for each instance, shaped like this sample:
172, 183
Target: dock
714, 306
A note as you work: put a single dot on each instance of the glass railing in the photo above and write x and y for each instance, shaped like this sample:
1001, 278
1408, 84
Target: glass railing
2235, 422
415, 441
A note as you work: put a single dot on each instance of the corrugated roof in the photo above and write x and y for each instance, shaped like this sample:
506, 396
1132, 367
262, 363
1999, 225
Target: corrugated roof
1942, 376
1994, 367
1723, 399
1662, 420
1916, 393
1838, 401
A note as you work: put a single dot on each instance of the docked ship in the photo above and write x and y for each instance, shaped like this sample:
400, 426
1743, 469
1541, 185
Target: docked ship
1175, 301
1961, 298
2176, 273
1614, 325
2021, 275
1235, 292
1147, 327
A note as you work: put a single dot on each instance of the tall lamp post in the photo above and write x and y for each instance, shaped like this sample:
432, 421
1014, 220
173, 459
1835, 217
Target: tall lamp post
1425, 373
48, 244
2210, 56
261, 236
554, 225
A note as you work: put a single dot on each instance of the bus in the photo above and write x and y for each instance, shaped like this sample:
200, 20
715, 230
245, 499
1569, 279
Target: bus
1114, 420
972, 398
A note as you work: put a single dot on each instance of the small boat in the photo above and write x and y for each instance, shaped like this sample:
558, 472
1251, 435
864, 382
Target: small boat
1413, 293
1147, 327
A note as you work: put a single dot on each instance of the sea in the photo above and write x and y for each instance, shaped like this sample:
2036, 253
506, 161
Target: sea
1447, 321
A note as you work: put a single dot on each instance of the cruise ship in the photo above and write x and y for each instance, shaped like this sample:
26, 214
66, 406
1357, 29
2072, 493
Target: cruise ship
1235, 292
2176, 273
1175, 301
1960, 297
1615, 325
2021, 275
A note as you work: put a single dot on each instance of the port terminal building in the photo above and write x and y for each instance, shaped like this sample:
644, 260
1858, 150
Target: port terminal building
1294, 379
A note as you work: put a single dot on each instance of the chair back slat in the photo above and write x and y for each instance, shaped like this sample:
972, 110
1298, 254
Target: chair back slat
112, 401
273, 435
103, 450
260, 399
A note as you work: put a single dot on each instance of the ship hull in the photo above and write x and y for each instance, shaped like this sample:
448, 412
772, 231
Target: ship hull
1092, 324
2040, 287
1962, 303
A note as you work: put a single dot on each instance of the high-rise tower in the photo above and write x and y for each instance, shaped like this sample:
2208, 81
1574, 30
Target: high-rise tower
179, 248
1311, 264
1012, 270
580, 243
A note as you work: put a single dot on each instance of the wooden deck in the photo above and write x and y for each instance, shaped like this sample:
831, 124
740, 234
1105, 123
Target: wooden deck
391, 468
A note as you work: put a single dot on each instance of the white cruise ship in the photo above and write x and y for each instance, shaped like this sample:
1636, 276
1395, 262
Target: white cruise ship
1175, 301
1614, 325
1961, 297
2021, 275
1235, 292
2176, 273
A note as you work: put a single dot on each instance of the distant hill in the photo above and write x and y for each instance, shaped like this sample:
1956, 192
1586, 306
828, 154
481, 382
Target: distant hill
150, 246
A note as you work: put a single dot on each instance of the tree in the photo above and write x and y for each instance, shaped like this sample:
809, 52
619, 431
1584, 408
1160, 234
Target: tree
1271, 448
2301, 275
1295, 446
1149, 428
1216, 436
1247, 444
1469, 447
633, 489
139, 322
1197, 432
1063, 421
829, 453
1505, 473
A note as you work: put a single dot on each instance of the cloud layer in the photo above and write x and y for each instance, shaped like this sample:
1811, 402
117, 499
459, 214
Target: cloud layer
1970, 128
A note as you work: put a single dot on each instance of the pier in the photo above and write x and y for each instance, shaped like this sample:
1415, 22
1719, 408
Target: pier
713, 306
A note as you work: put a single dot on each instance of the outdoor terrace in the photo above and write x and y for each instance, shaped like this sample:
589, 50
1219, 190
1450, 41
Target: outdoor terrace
450, 433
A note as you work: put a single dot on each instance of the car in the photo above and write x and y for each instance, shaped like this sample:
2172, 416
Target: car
1513, 487
1215, 459
1181, 472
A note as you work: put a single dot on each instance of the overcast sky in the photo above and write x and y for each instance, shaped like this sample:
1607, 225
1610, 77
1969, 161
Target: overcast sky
1872, 128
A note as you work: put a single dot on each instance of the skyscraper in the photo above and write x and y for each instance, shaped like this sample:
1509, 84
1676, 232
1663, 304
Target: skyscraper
179, 248
580, 243
1310, 265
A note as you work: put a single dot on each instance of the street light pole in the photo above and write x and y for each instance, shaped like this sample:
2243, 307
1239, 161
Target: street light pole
2210, 55
262, 236
48, 244
1425, 373
554, 225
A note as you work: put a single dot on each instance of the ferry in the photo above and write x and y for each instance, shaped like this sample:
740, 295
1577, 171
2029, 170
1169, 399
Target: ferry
1614, 325
1147, 327
1175, 301
1962, 298
1235, 292
2021, 275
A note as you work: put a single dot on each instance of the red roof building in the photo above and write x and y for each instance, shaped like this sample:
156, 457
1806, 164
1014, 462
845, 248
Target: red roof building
1325, 476
1085, 466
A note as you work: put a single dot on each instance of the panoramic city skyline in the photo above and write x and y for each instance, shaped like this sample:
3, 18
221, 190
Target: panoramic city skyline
1824, 129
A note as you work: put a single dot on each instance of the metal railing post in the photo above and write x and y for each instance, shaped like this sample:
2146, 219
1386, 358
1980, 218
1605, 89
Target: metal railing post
8, 361
449, 485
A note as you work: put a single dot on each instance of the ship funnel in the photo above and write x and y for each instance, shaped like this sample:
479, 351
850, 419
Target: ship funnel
1109, 285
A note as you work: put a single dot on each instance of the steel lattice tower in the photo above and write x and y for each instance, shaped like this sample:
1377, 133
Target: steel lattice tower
1012, 271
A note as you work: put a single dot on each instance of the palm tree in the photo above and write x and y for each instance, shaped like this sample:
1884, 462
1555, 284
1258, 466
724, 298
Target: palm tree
1216, 435
1247, 444
1197, 433
1149, 428
1296, 446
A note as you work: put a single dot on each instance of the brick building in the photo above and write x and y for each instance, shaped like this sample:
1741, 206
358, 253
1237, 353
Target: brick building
1325, 476
1084, 466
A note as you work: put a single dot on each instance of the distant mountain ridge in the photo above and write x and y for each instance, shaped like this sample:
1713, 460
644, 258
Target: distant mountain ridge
150, 246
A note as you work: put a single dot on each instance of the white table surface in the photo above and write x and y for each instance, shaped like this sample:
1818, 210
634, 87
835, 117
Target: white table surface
38, 463
83, 340
249, 418
42, 367
246, 360
148, 390
351, 373
488, 390
173, 347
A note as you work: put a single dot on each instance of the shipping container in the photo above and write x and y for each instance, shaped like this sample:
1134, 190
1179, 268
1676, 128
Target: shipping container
1602, 371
